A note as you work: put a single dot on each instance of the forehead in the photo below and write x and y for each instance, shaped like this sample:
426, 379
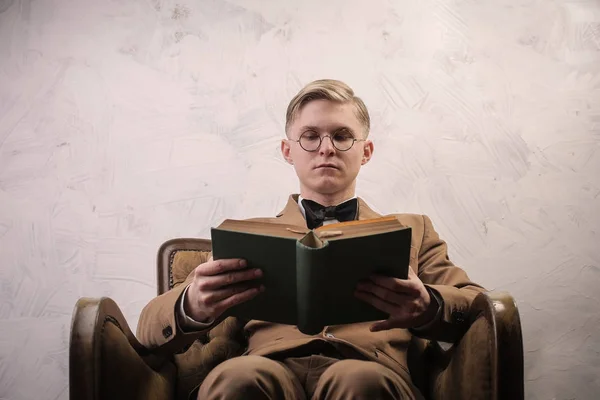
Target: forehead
326, 114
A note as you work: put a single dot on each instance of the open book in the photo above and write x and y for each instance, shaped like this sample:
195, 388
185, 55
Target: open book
310, 275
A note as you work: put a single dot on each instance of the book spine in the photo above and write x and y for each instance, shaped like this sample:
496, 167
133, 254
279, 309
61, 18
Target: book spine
311, 287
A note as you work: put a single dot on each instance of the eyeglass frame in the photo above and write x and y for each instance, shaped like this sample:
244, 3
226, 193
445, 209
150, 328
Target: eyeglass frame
354, 140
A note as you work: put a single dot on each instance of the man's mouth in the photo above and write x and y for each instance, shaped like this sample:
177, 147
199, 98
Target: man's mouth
327, 165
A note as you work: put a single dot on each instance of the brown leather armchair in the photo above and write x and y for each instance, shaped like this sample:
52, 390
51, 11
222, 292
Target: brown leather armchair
107, 361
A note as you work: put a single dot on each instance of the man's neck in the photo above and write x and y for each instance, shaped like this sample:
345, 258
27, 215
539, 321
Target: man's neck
329, 199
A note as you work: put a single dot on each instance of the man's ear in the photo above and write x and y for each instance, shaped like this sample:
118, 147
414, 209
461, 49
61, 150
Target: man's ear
285, 151
367, 152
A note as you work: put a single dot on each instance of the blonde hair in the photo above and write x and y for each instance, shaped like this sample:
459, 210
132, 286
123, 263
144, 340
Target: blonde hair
327, 89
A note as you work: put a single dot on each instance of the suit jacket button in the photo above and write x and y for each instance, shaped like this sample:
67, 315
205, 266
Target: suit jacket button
167, 332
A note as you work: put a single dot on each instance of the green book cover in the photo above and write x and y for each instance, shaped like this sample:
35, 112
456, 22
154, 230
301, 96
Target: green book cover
310, 275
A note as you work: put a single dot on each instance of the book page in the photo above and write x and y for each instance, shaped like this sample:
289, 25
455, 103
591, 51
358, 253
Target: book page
334, 231
264, 228
311, 240
358, 228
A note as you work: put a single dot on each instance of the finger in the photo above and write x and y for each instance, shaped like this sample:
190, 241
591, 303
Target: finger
212, 297
381, 326
400, 304
230, 278
216, 267
390, 323
239, 298
407, 286
376, 302
384, 293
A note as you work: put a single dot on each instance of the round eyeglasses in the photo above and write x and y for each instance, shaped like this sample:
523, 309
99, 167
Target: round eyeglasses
311, 141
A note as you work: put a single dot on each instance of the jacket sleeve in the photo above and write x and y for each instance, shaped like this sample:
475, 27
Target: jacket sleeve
453, 289
160, 325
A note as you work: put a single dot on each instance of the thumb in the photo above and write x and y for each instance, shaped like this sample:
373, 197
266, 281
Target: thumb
411, 273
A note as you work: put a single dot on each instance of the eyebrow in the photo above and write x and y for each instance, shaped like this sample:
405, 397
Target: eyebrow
315, 128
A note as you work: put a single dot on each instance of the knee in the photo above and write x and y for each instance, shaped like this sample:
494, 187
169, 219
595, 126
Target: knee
363, 372
240, 371
254, 376
359, 379
242, 367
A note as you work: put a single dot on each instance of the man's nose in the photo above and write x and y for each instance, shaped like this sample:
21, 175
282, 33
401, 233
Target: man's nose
327, 145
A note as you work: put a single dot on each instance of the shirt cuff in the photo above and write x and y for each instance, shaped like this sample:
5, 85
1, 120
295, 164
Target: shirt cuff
437, 299
187, 323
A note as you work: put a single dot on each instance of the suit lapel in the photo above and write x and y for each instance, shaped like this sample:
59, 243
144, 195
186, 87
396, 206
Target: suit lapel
291, 214
365, 212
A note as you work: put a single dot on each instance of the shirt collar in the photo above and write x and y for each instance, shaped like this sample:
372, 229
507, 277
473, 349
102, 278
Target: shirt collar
300, 198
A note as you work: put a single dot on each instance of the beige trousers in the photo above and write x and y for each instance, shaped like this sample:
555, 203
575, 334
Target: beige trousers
308, 377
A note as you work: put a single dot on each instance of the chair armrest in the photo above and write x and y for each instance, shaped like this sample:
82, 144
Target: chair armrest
106, 361
487, 362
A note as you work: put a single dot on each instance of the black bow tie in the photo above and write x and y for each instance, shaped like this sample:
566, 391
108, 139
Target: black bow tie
316, 213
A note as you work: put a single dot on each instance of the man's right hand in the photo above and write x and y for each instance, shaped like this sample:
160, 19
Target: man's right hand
219, 285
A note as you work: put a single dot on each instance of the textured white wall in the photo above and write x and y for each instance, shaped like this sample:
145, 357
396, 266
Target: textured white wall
126, 123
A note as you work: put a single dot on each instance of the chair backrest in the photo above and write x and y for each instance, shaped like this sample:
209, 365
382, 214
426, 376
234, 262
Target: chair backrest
188, 254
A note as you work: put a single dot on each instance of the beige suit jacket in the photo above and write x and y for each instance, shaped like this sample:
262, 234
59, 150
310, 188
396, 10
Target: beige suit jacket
429, 259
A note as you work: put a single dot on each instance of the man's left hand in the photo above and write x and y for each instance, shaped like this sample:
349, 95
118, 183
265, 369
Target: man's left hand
407, 301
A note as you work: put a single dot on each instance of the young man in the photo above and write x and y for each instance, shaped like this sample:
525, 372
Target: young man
327, 129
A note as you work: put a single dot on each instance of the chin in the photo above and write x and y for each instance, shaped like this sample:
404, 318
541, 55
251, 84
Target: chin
326, 186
